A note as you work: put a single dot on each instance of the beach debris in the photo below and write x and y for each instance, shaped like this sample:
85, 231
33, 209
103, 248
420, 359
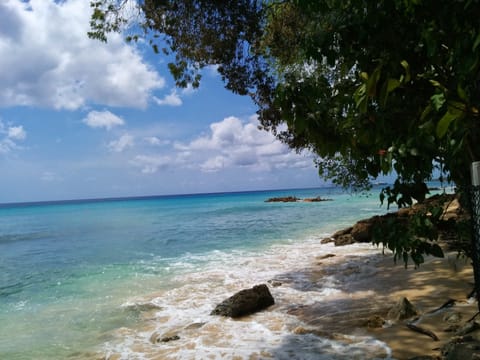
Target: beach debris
422, 330
402, 310
245, 302
448, 304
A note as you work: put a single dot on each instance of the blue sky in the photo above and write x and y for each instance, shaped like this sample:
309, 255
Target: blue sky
84, 119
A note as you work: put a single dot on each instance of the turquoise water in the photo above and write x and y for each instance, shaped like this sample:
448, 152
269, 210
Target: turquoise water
68, 269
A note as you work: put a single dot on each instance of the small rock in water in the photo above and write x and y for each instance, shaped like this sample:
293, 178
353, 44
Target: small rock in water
326, 256
245, 302
275, 283
156, 338
375, 322
170, 338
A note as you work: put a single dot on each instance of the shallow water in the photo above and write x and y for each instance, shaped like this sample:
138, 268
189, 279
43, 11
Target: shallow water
108, 278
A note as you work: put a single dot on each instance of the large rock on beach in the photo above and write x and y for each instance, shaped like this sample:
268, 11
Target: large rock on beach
402, 310
362, 230
245, 302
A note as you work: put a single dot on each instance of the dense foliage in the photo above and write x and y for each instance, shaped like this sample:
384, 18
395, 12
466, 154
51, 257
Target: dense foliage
371, 87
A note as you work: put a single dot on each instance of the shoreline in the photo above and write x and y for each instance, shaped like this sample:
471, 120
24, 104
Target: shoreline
371, 296
325, 297
307, 309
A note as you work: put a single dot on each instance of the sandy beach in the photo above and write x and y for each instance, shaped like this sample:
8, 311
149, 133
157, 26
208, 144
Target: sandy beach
427, 288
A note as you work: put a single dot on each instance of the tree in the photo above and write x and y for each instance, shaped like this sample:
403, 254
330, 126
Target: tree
370, 87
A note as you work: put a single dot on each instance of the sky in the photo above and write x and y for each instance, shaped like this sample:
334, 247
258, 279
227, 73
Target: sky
83, 119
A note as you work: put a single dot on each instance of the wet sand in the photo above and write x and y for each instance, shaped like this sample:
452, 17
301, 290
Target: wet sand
427, 288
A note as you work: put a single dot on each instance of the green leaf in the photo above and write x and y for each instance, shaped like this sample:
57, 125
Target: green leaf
406, 66
372, 82
476, 43
437, 101
444, 123
436, 251
426, 112
461, 93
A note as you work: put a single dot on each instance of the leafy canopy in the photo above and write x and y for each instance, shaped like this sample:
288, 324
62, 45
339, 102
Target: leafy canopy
371, 87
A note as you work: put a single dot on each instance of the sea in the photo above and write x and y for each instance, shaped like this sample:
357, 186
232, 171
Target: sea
137, 278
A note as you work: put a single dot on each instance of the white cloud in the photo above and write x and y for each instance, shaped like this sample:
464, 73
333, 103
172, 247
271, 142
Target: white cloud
10, 136
155, 141
150, 164
16, 133
48, 60
103, 119
124, 142
214, 164
172, 99
233, 143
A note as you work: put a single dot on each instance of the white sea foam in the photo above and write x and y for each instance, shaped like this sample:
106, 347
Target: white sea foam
205, 280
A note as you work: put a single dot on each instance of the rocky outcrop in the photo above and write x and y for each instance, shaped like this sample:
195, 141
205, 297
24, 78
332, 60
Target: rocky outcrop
283, 199
316, 199
362, 231
245, 302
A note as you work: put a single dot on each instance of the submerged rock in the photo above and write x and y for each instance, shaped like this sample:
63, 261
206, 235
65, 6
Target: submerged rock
245, 302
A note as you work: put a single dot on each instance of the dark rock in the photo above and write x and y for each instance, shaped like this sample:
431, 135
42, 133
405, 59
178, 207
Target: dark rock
402, 310
283, 199
326, 256
245, 302
156, 337
362, 231
375, 322
170, 338
460, 349
345, 231
317, 199
342, 240
275, 283
327, 240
